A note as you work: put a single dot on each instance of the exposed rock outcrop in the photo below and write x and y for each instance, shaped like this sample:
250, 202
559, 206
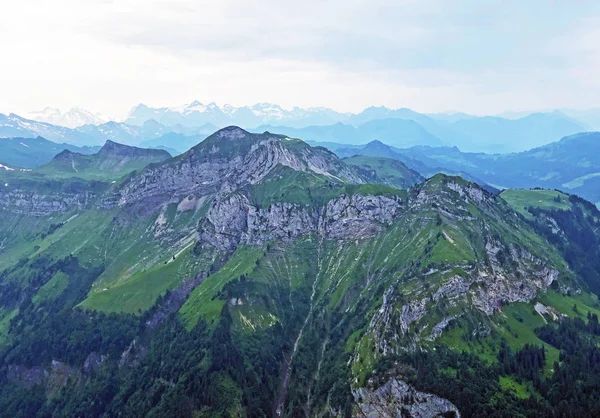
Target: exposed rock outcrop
228, 160
234, 220
33, 203
398, 399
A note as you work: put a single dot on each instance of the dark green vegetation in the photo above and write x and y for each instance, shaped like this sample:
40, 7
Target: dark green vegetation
569, 223
257, 276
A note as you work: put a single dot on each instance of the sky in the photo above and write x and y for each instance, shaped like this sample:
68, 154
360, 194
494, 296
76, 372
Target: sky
475, 56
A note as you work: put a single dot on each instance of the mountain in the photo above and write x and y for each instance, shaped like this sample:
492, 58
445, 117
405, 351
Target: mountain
255, 275
397, 132
124, 133
73, 118
385, 171
418, 163
397, 127
17, 126
381, 112
403, 128
494, 134
33, 152
566, 164
590, 117
196, 114
112, 161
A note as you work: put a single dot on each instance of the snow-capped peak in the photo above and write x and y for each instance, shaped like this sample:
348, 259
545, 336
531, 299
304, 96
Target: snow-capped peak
73, 118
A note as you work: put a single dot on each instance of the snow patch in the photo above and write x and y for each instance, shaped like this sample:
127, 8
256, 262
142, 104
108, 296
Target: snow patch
3, 167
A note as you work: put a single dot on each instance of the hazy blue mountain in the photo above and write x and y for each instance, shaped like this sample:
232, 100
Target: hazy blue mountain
124, 133
450, 116
17, 126
398, 132
400, 127
382, 112
590, 117
495, 134
34, 152
196, 114
569, 164
469, 133
72, 118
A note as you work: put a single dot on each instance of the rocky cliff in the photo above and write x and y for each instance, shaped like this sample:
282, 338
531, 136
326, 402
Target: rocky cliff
234, 220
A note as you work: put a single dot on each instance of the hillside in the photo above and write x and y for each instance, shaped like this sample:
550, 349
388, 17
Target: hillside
113, 160
34, 152
255, 275
385, 171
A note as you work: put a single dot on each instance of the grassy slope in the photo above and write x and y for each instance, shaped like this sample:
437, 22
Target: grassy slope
544, 199
391, 171
309, 189
132, 256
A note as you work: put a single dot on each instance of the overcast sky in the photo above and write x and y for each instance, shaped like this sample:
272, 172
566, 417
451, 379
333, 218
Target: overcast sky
475, 56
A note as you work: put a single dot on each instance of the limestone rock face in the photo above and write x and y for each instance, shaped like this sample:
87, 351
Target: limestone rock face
234, 220
398, 399
39, 204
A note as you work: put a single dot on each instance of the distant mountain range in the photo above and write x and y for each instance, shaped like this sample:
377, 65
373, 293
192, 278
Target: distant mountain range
569, 164
73, 118
34, 152
156, 127
95, 135
196, 113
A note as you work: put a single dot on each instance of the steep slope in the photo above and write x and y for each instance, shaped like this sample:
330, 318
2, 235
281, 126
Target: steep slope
569, 222
72, 180
255, 275
385, 171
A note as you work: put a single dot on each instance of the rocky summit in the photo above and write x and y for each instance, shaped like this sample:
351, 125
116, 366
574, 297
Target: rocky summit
255, 275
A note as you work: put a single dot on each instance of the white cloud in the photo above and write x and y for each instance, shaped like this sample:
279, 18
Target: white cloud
430, 55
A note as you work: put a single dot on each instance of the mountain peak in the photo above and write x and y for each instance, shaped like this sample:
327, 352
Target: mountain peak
65, 155
376, 143
232, 133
